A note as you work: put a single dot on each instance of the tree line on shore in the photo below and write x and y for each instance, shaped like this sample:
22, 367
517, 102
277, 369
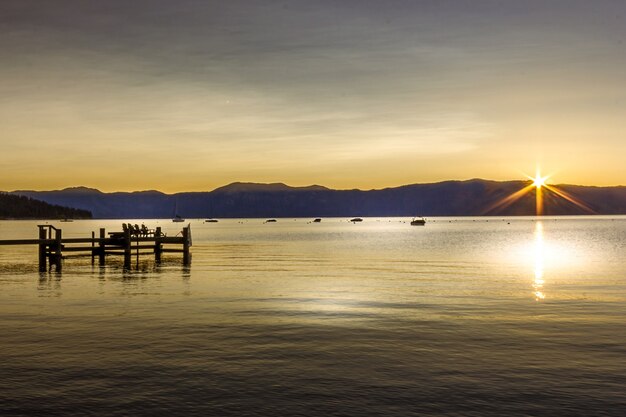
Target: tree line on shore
21, 207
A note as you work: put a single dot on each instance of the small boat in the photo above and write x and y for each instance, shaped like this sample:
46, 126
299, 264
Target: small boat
211, 221
270, 221
66, 220
356, 219
317, 220
418, 221
177, 218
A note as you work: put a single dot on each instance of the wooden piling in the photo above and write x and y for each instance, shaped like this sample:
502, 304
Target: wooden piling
58, 245
93, 248
43, 267
186, 244
158, 246
102, 247
137, 251
127, 249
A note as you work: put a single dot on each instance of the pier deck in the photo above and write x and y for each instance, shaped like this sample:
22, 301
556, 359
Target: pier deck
53, 248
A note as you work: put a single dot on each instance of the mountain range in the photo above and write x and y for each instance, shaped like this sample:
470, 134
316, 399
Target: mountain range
448, 198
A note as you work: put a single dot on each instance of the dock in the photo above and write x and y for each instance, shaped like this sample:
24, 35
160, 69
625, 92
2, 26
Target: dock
53, 247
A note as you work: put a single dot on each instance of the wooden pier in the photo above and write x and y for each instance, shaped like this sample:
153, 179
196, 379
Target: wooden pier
53, 248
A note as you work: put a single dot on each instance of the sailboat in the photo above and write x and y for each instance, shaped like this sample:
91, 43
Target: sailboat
211, 219
177, 218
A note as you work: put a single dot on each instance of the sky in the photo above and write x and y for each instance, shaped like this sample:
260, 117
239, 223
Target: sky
190, 95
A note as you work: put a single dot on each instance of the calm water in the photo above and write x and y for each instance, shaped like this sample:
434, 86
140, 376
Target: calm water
461, 317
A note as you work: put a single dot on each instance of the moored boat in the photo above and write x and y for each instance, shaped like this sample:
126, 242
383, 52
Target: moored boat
177, 218
418, 221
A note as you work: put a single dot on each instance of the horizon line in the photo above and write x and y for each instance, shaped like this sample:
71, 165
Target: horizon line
304, 186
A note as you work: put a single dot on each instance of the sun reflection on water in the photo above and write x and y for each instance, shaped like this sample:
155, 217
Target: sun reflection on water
539, 258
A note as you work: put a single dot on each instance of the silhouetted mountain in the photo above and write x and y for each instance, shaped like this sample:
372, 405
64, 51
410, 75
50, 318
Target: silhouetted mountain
21, 207
449, 198
139, 204
256, 187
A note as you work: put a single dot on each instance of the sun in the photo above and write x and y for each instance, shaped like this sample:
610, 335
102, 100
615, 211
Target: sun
539, 181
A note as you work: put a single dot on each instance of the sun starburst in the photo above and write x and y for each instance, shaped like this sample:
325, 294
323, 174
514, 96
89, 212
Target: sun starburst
539, 184
538, 180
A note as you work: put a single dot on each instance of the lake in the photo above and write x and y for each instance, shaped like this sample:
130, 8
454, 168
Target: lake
463, 316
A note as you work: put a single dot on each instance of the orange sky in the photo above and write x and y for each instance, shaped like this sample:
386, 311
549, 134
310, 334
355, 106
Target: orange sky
193, 95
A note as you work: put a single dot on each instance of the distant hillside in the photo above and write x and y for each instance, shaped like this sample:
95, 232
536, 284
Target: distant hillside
21, 207
237, 187
449, 198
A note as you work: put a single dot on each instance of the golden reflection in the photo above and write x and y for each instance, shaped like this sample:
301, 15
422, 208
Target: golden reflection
538, 183
539, 258
539, 201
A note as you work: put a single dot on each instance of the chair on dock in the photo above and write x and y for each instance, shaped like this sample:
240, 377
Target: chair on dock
119, 235
136, 231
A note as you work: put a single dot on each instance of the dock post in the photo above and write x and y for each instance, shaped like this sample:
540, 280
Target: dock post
137, 249
58, 233
93, 248
158, 246
127, 249
186, 245
101, 249
42, 249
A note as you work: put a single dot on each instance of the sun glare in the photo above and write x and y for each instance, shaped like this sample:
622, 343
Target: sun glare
541, 187
539, 181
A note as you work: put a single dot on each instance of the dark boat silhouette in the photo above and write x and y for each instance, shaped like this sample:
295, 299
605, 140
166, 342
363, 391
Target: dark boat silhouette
270, 221
356, 219
317, 220
418, 221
